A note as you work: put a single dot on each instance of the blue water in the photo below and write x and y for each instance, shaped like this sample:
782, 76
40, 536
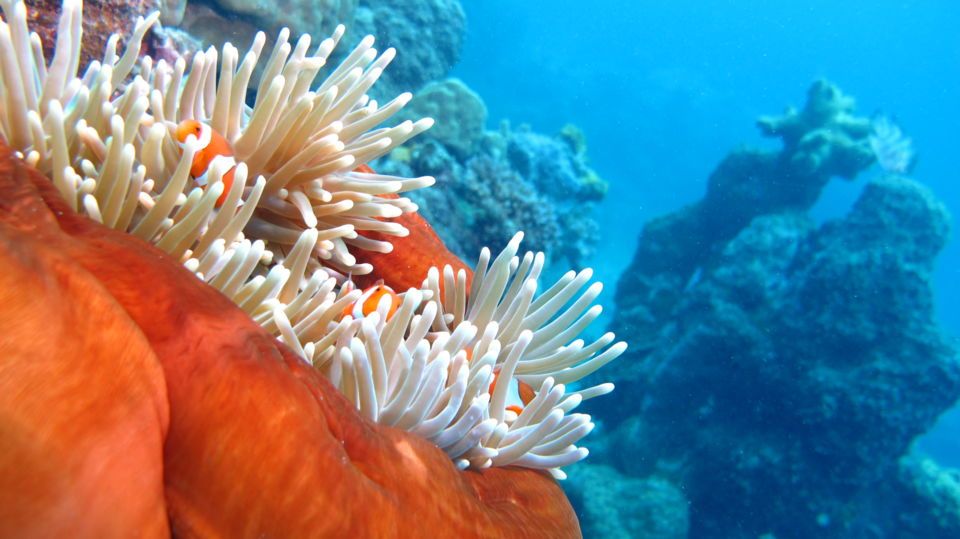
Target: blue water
663, 90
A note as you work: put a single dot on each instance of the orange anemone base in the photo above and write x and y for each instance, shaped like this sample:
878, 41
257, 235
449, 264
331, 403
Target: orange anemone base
137, 401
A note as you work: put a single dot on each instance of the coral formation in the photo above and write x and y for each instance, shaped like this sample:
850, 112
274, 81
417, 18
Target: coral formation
785, 367
451, 98
929, 498
206, 27
171, 11
318, 17
822, 141
492, 201
618, 507
220, 22
429, 32
217, 22
515, 179
136, 400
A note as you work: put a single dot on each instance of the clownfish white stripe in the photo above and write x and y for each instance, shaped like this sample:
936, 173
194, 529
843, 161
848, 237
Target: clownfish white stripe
223, 163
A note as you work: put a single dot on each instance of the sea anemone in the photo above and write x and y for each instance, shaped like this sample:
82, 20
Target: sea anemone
117, 130
278, 241
428, 368
137, 400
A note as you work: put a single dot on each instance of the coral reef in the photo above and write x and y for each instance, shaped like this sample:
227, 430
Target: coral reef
217, 22
429, 32
492, 201
137, 400
785, 367
515, 179
617, 507
929, 498
171, 11
318, 17
822, 141
919, 499
451, 98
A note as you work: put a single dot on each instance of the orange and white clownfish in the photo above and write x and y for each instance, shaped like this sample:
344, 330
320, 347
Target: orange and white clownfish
368, 302
365, 168
213, 147
519, 394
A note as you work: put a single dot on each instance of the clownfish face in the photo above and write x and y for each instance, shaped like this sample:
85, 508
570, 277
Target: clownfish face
368, 302
193, 127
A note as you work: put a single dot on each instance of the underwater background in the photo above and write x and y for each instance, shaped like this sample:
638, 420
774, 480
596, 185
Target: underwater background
786, 278
662, 92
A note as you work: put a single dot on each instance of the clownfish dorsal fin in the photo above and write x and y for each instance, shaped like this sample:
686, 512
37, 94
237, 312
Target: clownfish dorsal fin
526, 392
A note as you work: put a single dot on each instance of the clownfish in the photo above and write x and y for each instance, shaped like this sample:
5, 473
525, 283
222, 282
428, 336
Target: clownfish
519, 394
213, 147
368, 301
365, 168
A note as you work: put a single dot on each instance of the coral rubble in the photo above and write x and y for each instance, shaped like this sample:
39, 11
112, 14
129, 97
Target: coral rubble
785, 367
